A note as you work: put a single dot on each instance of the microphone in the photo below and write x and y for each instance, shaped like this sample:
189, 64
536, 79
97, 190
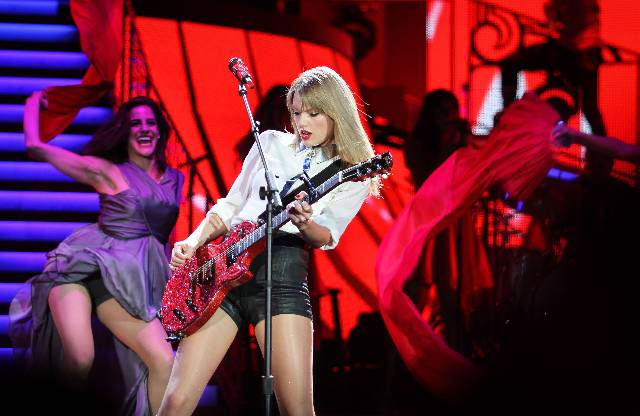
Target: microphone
241, 72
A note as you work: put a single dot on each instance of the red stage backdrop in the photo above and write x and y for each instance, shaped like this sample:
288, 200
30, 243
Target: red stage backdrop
186, 62
451, 63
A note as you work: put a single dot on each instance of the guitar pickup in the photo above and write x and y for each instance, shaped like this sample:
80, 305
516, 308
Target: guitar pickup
232, 257
191, 306
179, 315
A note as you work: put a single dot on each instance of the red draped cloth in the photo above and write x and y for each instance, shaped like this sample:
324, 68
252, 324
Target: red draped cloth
516, 157
99, 24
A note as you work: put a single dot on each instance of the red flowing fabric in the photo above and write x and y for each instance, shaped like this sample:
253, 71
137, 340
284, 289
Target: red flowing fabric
516, 157
99, 23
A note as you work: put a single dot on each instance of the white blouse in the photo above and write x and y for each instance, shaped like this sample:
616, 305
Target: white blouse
334, 210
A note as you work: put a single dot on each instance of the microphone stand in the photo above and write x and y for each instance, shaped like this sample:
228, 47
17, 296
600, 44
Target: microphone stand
272, 195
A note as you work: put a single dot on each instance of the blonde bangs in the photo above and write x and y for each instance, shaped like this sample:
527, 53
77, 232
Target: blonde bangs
322, 89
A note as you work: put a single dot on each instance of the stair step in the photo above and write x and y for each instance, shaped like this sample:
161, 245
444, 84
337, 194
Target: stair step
51, 60
31, 171
14, 142
18, 277
31, 246
49, 201
4, 324
45, 187
24, 86
6, 357
37, 230
22, 262
13, 113
47, 8
55, 216
8, 291
38, 33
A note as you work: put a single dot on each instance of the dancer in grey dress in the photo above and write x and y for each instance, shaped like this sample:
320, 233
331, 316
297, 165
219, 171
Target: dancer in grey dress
117, 267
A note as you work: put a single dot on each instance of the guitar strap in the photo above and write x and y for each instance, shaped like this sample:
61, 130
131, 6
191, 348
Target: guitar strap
321, 177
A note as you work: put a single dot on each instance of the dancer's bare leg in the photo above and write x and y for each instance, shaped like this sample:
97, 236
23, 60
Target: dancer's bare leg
70, 307
147, 339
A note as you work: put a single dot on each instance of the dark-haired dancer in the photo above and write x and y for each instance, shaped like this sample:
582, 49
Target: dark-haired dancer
118, 266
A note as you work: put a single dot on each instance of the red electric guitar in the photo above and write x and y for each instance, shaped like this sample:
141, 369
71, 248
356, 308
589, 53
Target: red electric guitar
196, 289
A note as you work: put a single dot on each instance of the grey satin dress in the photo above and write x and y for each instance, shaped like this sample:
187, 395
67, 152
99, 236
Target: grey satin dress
128, 248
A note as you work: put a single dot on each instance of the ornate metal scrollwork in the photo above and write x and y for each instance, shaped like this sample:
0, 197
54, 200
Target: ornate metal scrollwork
504, 31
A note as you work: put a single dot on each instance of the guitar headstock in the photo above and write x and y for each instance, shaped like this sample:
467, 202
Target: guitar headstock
377, 165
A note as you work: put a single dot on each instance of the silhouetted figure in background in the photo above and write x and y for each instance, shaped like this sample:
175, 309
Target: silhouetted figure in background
571, 59
606, 285
272, 114
438, 132
560, 323
609, 146
567, 334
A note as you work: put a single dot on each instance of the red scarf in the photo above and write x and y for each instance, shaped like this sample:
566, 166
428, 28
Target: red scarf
516, 157
99, 24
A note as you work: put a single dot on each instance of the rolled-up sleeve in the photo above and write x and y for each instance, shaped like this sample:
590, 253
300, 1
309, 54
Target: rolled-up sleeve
342, 205
228, 207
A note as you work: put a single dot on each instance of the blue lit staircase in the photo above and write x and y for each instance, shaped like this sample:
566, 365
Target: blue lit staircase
39, 206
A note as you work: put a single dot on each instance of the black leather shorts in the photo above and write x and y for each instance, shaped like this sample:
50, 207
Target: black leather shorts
96, 288
289, 290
